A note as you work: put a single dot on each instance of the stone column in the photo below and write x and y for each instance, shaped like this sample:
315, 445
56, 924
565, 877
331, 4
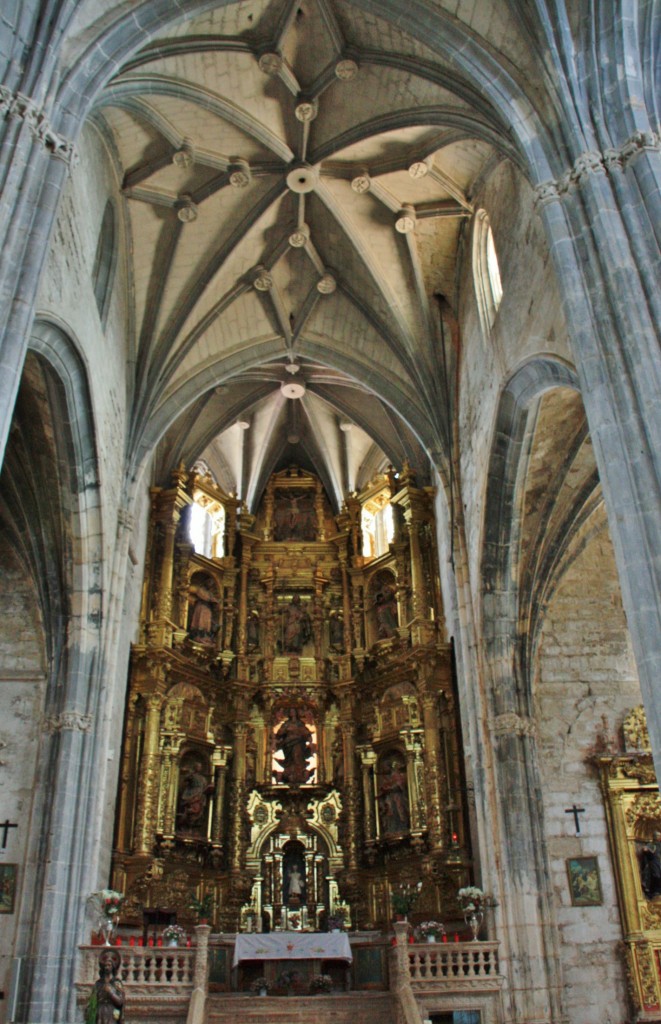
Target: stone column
147, 794
613, 324
34, 176
197, 1006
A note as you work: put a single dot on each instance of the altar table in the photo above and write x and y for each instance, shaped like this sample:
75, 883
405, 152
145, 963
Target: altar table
292, 946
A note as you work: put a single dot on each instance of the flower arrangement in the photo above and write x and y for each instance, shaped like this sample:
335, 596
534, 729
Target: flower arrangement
321, 983
404, 896
470, 898
174, 933
336, 921
428, 929
294, 921
106, 902
259, 985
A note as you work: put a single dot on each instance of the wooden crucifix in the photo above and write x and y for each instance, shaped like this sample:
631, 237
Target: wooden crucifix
576, 811
4, 828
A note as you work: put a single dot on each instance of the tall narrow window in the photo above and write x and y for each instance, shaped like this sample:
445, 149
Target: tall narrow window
488, 287
104, 261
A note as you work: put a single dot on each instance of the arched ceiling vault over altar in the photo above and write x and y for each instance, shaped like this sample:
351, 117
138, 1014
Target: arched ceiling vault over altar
298, 179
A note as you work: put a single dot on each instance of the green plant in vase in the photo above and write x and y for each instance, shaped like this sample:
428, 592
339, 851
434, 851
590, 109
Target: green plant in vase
403, 897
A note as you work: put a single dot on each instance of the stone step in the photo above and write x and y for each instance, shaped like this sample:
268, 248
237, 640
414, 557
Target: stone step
336, 1008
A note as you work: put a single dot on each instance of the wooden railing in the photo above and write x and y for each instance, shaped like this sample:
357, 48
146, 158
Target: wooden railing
443, 963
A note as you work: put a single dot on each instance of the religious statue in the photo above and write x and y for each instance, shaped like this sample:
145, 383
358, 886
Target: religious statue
294, 516
297, 627
192, 801
336, 630
294, 739
106, 1004
393, 799
386, 613
201, 626
295, 885
650, 867
252, 630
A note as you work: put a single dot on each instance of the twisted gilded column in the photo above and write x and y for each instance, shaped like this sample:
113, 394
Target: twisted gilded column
237, 797
348, 728
434, 770
148, 791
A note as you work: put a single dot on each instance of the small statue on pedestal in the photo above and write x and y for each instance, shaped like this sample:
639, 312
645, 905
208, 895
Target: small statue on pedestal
106, 1004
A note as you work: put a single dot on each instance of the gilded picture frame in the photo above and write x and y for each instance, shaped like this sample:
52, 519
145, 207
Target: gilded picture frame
8, 876
584, 882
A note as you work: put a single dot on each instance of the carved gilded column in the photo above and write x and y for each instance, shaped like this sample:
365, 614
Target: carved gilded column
348, 727
237, 796
220, 760
357, 614
415, 773
246, 559
319, 510
231, 513
128, 772
169, 785
368, 764
148, 792
435, 782
268, 507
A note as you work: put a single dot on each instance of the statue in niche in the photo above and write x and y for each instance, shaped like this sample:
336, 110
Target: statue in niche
387, 622
294, 739
294, 885
192, 800
202, 626
294, 516
393, 800
336, 630
252, 630
106, 1004
650, 867
297, 627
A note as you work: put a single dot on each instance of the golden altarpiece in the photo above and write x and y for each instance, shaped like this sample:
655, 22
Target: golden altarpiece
633, 811
291, 742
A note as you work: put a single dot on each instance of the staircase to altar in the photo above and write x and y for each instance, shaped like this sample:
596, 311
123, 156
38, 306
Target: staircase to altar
172, 986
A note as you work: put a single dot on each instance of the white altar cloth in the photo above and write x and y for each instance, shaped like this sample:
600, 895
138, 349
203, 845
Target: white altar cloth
292, 946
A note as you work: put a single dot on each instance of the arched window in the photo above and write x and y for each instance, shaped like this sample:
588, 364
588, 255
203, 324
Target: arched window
104, 261
206, 527
378, 527
488, 287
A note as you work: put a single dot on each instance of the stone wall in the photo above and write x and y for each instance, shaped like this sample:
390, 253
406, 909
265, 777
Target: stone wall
22, 686
586, 683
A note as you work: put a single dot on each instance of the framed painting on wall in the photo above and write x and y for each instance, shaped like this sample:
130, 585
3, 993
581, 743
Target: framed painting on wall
7, 888
584, 881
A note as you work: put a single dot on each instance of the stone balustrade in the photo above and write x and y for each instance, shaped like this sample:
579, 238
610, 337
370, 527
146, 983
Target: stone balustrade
443, 963
161, 967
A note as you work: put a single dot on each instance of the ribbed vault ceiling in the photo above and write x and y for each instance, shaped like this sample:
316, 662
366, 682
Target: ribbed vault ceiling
297, 178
